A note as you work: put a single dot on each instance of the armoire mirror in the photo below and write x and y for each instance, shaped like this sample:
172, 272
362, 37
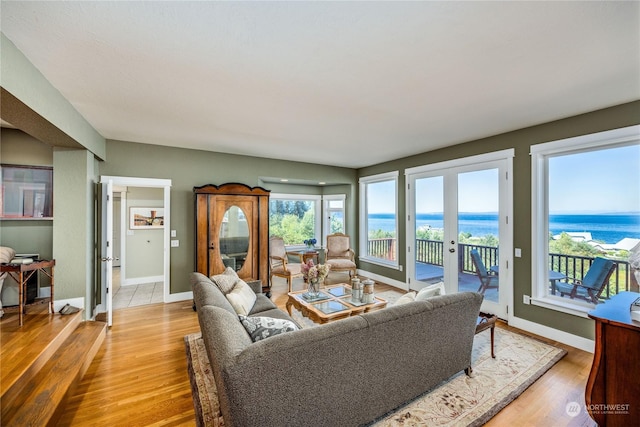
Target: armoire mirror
234, 238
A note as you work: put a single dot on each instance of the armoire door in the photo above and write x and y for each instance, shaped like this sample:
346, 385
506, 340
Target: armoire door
231, 234
232, 230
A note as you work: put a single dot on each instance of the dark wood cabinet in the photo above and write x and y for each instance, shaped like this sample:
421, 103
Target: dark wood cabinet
612, 394
232, 230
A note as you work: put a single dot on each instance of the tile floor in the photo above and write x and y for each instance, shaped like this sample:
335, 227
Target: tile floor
135, 295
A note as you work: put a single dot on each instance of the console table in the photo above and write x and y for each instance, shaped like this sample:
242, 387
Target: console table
612, 394
21, 273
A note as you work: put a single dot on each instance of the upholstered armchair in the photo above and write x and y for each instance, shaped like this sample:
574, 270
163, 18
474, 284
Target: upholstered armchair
279, 264
339, 255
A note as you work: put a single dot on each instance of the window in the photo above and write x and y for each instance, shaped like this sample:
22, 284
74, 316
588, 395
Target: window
333, 206
379, 219
586, 204
294, 217
26, 192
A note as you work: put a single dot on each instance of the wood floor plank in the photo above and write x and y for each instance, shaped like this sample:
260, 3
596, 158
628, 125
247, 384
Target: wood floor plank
139, 376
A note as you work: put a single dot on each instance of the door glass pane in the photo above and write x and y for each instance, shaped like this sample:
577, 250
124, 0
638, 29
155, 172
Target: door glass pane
478, 230
381, 220
429, 205
234, 238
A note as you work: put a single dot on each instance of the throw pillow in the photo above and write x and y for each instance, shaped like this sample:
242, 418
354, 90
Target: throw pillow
226, 280
430, 291
260, 328
241, 297
408, 297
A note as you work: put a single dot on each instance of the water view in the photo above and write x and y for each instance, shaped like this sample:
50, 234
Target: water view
607, 228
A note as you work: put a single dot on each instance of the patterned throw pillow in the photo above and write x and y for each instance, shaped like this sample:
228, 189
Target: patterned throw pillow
260, 328
226, 280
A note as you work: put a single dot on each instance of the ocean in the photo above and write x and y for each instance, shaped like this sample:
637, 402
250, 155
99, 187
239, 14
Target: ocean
608, 228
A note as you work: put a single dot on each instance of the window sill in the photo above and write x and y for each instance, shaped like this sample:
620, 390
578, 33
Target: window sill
380, 262
575, 309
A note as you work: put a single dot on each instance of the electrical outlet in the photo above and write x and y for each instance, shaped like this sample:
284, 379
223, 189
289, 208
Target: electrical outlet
526, 299
518, 252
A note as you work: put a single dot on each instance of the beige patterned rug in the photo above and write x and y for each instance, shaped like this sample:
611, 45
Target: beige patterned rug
461, 401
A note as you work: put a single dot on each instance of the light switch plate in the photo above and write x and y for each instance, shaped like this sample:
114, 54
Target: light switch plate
174, 233
175, 243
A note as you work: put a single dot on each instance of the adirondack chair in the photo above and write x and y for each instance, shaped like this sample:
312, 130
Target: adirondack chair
488, 279
590, 288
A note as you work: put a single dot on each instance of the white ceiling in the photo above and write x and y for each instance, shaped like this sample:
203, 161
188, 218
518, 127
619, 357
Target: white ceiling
340, 83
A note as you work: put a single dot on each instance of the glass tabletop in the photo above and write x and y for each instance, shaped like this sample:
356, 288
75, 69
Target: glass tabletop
339, 291
330, 307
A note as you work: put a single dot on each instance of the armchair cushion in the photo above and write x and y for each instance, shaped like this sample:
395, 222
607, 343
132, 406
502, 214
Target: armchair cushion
340, 263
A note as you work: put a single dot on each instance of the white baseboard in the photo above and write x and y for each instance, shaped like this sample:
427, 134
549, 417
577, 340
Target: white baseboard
182, 296
553, 334
386, 280
142, 280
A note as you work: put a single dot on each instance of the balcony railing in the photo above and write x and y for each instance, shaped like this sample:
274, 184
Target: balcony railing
573, 266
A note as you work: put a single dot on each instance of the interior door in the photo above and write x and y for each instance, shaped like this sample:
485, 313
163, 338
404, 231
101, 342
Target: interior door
454, 210
107, 249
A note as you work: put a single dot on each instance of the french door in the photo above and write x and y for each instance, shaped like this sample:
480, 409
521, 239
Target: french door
455, 208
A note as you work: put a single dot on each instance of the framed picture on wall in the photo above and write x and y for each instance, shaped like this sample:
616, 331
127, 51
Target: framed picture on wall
144, 218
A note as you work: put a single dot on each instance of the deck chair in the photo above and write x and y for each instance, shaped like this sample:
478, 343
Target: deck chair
339, 254
590, 288
279, 264
488, 279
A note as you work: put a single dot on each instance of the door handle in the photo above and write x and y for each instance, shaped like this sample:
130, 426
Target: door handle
105, 259
452, 250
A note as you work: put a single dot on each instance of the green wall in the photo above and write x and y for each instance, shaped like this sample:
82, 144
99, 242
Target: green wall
521, 140
190, 168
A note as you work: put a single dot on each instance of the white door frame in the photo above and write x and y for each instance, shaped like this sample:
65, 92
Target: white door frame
506, 225
165, 184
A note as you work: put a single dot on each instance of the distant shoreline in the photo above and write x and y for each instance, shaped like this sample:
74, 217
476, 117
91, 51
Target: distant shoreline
607, 228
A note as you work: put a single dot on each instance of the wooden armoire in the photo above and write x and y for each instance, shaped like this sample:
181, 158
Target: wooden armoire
232, 230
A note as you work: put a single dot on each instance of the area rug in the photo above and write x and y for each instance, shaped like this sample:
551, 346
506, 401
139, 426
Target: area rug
461, 401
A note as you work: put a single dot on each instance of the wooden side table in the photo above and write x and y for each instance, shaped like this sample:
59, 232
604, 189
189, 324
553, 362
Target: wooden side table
21, 273
487, 321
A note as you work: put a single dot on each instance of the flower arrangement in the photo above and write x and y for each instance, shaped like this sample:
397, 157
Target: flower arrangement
314, 273
310, 243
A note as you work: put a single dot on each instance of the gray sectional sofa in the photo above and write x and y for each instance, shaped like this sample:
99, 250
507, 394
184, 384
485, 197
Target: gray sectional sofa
347, 373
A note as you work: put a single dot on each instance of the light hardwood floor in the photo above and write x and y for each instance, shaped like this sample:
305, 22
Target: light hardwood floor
139, 376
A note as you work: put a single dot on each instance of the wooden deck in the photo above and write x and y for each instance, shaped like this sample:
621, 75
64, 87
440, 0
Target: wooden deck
430, 273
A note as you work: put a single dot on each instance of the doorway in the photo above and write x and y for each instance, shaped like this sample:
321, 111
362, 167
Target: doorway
458, 226
144, 223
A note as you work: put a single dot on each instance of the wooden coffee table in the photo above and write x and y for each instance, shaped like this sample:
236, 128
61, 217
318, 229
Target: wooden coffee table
333, 303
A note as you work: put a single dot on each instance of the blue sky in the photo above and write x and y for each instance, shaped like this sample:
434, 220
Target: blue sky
602, 181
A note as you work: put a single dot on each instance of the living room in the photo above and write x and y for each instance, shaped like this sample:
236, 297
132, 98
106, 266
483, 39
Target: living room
51, 121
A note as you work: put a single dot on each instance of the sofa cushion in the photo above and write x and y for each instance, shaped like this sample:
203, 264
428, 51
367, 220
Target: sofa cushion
205, 292
226, 280
408, 297
241, 298
262, 304
260, 327
430, 291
